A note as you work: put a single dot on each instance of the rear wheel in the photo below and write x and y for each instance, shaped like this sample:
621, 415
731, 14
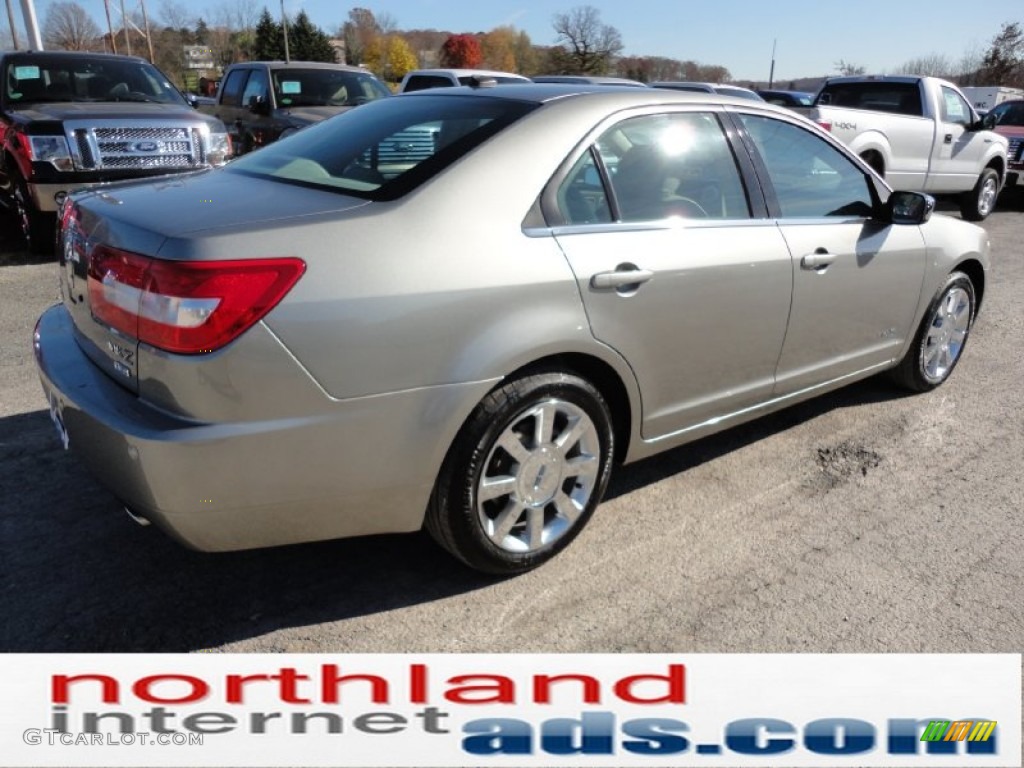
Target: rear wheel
940, 340
977, 204
524, 475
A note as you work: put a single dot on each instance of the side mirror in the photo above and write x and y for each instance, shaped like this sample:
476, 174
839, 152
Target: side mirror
909, 208
192, 100
258, 105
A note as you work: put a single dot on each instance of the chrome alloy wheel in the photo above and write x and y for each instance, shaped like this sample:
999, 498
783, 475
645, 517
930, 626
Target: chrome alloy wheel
539, 476
987, 196
946, 334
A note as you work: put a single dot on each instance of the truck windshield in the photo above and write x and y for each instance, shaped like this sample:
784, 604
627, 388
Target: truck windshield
37, 78
325, 88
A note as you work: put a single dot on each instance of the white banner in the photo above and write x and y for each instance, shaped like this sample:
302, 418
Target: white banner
510, 710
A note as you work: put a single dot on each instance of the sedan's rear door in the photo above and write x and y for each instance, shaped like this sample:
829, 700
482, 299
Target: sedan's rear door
675, 271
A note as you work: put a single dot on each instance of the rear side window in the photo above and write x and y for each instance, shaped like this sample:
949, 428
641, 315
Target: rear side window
660, 167
383, 150
811, 178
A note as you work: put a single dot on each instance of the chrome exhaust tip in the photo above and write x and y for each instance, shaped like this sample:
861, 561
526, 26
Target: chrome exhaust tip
136, 517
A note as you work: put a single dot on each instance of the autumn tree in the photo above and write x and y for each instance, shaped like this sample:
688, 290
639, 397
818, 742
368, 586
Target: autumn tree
69, 27
359, 32
461, 52
499, 49
1003, 63
390, 57
585, 45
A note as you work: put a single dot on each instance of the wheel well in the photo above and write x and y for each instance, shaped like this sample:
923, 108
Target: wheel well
604, 378
996, 164
976, 272
874, 158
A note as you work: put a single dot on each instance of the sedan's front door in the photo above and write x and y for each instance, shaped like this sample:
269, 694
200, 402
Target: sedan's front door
856, 280
674, 272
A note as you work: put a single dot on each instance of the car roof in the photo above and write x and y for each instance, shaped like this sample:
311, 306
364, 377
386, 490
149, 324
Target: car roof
622, 97
304, 65
75, 55
465, 73
587, 79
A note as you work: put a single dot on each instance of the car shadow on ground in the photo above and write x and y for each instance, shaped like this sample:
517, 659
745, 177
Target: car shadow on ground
77, 575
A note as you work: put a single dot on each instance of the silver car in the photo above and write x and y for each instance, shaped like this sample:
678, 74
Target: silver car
352, 333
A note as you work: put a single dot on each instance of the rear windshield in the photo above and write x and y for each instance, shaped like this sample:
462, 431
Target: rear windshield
385, 149
900, 98
38, 78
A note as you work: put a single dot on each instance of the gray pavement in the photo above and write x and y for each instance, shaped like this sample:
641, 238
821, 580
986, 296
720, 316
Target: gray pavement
865, 521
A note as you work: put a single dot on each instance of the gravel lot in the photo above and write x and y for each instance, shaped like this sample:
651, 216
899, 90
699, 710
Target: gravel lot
864, 521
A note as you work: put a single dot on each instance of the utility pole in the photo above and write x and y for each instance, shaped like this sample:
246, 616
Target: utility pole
771, 72
28, 12
149, 37
110, 26
284, 26
124, 25
10, 21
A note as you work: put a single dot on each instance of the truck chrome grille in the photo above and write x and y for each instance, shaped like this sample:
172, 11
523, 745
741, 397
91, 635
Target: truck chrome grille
1016, 150
142, 144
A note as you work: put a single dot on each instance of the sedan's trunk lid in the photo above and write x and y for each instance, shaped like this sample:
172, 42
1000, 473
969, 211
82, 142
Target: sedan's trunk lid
132, 218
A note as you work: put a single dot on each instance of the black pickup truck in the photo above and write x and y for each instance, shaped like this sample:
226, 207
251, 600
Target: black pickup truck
262, 101
71, 120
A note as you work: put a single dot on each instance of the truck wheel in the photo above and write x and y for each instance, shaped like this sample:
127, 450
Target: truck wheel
977, 204
876, 162
37, 228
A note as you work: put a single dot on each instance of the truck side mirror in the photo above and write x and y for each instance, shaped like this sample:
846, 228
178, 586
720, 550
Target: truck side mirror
192, 100
258, 105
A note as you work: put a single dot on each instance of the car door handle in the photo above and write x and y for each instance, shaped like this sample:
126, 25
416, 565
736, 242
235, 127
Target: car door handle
948, 139
817, 260
620, 278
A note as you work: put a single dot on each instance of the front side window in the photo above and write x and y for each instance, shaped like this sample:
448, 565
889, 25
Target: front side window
255, 88
384, 149
231, 91
1008, 114
660, 166
811, 178
955, 108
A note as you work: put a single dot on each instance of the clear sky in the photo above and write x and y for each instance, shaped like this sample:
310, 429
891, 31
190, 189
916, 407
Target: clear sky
812, 35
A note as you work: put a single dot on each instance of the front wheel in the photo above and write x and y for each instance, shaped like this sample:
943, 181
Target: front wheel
940, 340
524, 475
37, 228
977, 204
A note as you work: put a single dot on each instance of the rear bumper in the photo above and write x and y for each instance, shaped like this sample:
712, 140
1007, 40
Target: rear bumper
363, 466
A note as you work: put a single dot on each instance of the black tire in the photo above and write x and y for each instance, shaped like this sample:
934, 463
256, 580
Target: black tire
524, 523
977, 204
941, 337
38, 229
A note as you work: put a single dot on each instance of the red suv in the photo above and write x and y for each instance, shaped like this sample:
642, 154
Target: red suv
1007, 119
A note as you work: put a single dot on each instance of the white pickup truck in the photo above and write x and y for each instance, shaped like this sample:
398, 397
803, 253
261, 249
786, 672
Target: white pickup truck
920, 133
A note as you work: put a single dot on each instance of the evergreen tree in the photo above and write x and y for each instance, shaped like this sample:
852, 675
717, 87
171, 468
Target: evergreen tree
269, 42
308, 42
202, 35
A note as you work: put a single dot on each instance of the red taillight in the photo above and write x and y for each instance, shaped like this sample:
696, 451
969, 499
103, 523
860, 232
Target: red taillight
189, 307
826, 124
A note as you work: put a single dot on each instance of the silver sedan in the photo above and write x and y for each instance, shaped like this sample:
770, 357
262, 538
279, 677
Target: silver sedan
457, 309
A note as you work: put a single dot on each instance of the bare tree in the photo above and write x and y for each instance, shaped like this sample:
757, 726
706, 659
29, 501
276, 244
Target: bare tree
932, 65
847, 68
174, 14
69, 27
588, 45
970, 64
